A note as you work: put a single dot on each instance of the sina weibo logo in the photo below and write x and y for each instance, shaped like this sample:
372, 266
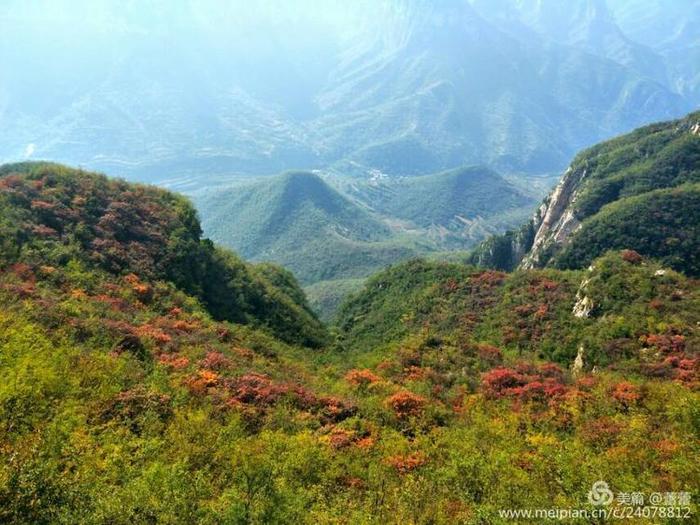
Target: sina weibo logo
600, 494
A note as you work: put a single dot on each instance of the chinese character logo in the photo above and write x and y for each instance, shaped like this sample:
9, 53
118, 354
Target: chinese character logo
600, 494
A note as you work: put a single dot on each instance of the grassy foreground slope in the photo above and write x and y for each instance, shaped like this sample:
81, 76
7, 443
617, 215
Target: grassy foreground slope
129, 394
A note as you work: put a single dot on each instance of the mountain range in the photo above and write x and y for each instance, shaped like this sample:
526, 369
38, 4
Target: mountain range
207, 92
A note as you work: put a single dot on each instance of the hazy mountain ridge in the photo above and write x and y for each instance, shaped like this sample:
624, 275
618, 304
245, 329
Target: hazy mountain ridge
391, 86
454, 209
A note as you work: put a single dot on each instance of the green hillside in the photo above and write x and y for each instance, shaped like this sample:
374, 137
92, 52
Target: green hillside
290, 208
329, 239
299, 221
54, 215
661, 224
148, 376
454, 209
617, 194
528, 312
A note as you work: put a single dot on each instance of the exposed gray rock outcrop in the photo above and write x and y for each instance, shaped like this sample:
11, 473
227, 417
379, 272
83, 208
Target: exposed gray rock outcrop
558, 218
577, 366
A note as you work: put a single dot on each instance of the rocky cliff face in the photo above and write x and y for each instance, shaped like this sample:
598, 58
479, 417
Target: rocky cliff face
558, 220
593, 208
559, 217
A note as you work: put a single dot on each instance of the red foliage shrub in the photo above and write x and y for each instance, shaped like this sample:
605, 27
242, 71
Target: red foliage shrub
406, 404
156, 334
501, 381
548, 284
666, 343
451, 285
260, 391
361, 378
128, 405
42, 205
143, 291
689, 364
409, 463
224, 334
215, 361
525, 382
386, 365
115, 303
524, 310
184, 326
631, 256
365, 443
409, 358
666, 447
541, 311
416, 373
601, 432
353, 482
537, 391
626, 393
23, 271
22, 290
488, 278
253, 388
42, 230
11, 182
245, 353
586, 382
200, 383
551, 370
656, 304
489, 354
333, 410
340, 438
174, 361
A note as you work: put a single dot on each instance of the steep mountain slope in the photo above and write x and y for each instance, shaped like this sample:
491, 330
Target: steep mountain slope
445, 88
638, 191
123, 399
589, 25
